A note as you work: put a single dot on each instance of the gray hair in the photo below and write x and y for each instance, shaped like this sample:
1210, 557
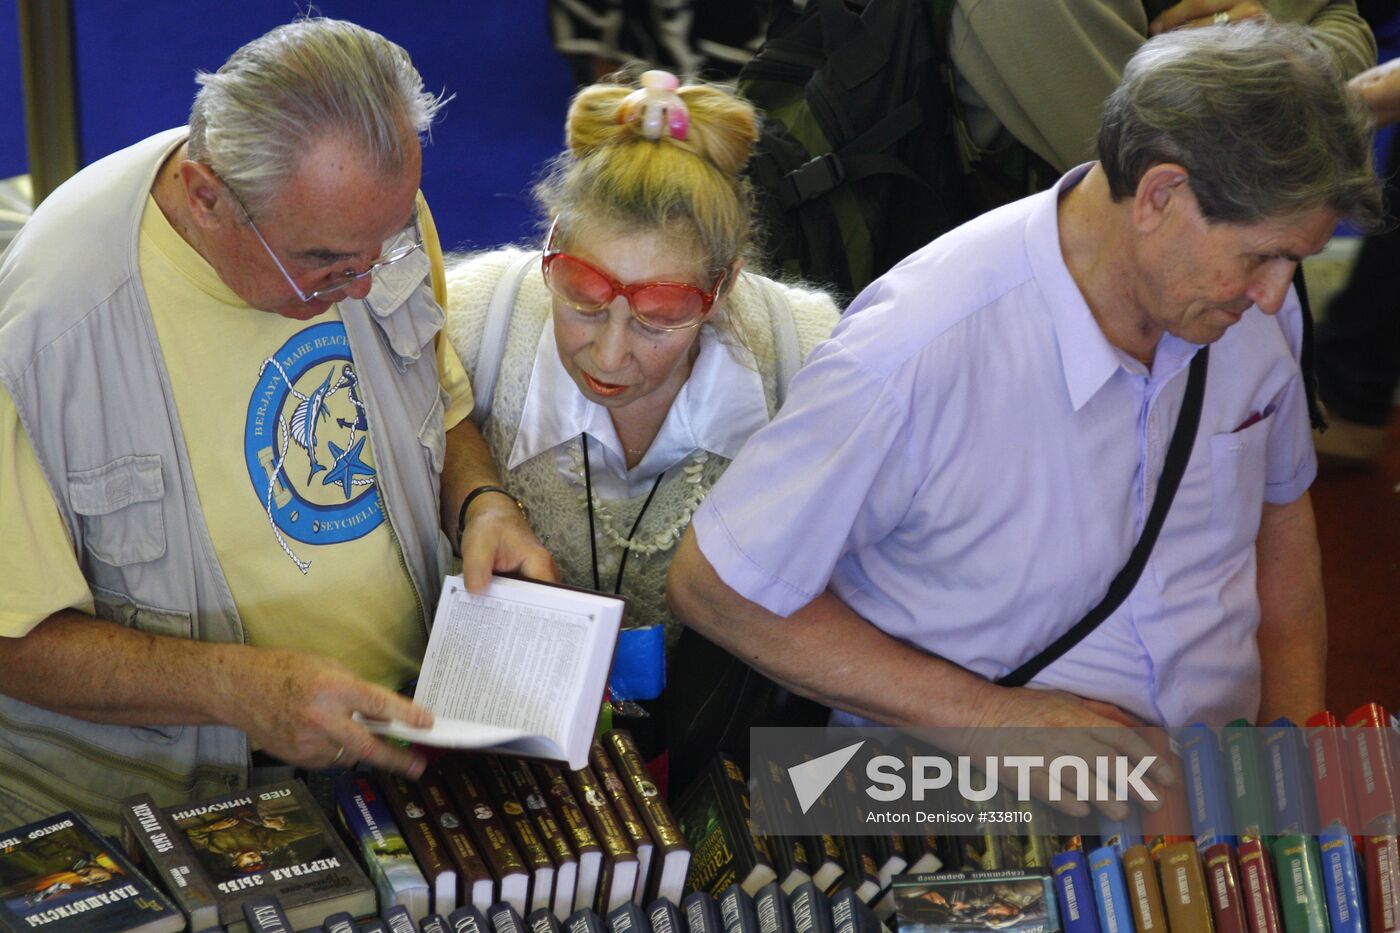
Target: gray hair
1257, 115
311, 79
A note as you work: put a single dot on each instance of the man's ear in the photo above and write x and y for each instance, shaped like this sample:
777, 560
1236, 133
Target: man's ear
211, 205
1159, 194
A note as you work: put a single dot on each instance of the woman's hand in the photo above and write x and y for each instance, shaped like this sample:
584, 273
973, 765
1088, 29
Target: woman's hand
1204, 12
498, 538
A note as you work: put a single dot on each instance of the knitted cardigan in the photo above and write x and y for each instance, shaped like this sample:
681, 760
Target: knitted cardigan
551, 484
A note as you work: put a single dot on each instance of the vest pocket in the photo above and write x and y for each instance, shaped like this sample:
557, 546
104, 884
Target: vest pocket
121, 509
432, 435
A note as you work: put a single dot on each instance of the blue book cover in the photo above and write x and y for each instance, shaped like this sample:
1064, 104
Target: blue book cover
1110, 890
1346, 908
265, 915
343, 922
627, 918
850, 914
543, 921
811, 911
1078, 912
434, 923
1207, 795
367, 819
583, 920
1290, 777
467, 919
736, 910
399, 920
665, 917
771, 905
505, 918
59, 868
702, 913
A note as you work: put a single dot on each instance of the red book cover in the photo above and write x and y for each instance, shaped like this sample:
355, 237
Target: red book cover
1328, 756
1257, 888
1372, 766
1223, 889
1383, 882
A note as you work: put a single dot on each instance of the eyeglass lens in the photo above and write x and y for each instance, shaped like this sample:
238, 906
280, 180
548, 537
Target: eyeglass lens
660, 303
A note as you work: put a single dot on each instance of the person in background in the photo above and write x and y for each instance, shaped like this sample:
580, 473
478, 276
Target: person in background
991, 419
636, 353
230, 440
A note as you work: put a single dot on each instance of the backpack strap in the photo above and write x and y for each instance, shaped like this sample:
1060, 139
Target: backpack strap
1178, 453
786, 352
493, 337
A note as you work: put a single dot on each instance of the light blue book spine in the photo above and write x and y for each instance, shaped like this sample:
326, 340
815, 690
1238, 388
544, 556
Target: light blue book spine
1110, 891
1078, 912
396, 876
1207, 795
1294, 810
1121, 834
1346, 909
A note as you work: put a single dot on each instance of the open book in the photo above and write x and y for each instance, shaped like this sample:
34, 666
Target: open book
519, 667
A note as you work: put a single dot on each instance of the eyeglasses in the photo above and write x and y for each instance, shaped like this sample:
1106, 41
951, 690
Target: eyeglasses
400, 250
658, 305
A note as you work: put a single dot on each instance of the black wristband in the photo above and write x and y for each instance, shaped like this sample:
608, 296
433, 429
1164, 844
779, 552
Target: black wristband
466, 504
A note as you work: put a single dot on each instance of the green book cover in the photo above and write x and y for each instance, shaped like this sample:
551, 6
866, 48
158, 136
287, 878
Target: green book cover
1300, 890
1249, 794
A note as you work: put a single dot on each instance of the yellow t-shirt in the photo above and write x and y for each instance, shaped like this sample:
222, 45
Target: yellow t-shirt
283, 462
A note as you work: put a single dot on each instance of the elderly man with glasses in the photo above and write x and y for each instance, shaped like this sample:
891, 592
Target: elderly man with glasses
231, 440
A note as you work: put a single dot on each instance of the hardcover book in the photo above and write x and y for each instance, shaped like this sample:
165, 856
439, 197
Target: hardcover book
511, 808
702, 913
1184, 887
671, 860
488, 831
1249, 794
434, 923
1328, 757
1346, 911
543, 921
1144, 893
1223, 889
619, 876
367, 820
771, 907
270, 840
1110, 891
1383, 881
1373, 768
1257, 888
627, 815
265, 915
410, 812
1074, 891
153, 843
519, 667
583, 920
627, 918
476, 884
396, 918
60, 874
552, 835
468, 919
665, 917
339, 923
967, 901
1211, 821
737, 911
1304, 905
1285, 763
849, 914
713, 814
811, 911
577, 830
506, 919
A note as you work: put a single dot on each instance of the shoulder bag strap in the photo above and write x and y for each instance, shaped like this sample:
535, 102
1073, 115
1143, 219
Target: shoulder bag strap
1178, 453
493, 338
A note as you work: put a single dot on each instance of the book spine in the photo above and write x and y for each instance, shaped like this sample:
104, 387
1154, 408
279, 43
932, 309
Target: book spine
521, 828
1144, 893
374, 925
264, 914
543, 921
343, 922
528, 791
162, 851
468, 919
663, 916
583, 920
385, 852
397, 919
811, 911
1205, 786
1223, 889
588, 790
1257, 888
434, 923
1076, 894
1184, 887
701, 913
627, 918
1373, 770
566, 809
626, 813
1294, 810
475, 883
505, 918
737, 911
410, 811
1110, 891
1340, 881
1248, 793
771, 906
660, 821
487, 828
1383, 881
1328, 757
1304, 905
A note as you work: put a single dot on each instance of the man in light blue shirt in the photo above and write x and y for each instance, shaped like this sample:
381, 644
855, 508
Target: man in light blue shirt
959, 473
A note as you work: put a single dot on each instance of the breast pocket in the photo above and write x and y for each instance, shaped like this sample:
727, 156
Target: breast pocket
1237, 467
432, 435
119, 505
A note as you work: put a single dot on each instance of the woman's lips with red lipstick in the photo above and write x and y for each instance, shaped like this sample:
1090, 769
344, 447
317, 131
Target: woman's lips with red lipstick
603, 388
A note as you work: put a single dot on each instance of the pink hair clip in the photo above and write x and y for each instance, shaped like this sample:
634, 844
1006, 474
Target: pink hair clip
657, 105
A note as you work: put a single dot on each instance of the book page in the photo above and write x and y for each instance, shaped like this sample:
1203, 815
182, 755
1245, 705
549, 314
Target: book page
497, 660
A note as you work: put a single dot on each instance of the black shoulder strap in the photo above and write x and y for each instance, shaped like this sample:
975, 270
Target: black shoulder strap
1178, 453
1305, 358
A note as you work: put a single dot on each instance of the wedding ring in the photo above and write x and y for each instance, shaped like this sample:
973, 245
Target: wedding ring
339, 754
1221, 19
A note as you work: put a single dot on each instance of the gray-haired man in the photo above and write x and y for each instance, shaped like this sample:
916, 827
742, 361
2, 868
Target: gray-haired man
992, 419
225, 424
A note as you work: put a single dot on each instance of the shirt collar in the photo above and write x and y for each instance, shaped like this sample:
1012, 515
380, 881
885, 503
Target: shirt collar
717, 409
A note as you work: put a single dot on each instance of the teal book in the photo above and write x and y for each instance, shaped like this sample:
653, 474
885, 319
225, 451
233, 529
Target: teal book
1301, 895
1250, 800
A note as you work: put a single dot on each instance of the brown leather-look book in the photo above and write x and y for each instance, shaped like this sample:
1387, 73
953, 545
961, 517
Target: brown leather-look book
620, 866
672, 858
522, 829
411, 813
552, 835
476, 884
488, 830
569, 812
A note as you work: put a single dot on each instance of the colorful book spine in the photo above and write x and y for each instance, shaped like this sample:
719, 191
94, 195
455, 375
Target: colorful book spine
1223, 889
1383, 881
1206, 795
1110, 890
1294, 810
382, 845
1184, 888
1257, 887
1249, 794
1144, 892
1076, 894
1373, 769
1328, 758
1340, 881
1301, 897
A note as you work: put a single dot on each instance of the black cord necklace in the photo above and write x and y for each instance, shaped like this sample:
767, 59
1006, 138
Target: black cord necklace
592, 535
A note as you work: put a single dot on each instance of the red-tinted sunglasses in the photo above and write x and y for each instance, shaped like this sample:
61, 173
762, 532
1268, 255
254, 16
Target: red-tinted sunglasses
659, 305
